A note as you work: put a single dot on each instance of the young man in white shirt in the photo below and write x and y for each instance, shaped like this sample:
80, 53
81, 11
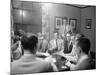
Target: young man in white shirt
30, 62
84, 61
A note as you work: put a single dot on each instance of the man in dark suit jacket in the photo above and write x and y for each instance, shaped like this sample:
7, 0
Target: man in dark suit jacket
68, 44
85, 62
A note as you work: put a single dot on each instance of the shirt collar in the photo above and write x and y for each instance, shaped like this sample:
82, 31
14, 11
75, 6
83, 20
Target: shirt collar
83, 57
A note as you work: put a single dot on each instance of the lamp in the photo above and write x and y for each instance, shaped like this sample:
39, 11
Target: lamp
22, 13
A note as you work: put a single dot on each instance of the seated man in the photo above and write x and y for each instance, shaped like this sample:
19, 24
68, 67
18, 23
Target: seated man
29, 62
79, 36
40, 40
60, 43
84, 61
72, 56
16, 49
56, 44
43, 44
68, 44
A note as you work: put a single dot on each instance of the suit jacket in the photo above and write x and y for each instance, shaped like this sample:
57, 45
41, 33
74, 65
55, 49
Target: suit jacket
44, 45
29, 63
67, 47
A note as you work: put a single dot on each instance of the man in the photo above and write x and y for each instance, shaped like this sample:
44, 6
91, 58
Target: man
29, 62
67, 44
72, 56
84, 61
16, 48
79, 36
55, 44
44, 43
40, 42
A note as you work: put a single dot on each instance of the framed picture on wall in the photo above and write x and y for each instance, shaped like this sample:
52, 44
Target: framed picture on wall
88, 23
58, 22
73, 23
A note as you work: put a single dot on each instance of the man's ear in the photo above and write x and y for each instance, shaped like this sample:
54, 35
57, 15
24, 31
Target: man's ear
80, 50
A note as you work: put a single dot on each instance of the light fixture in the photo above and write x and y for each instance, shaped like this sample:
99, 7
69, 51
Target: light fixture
22, 13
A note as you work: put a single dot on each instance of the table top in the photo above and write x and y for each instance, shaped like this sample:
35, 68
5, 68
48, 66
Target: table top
58, 58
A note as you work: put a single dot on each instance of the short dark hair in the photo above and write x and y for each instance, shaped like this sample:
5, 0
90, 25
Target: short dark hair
29, 43
20, 32
84, 44
80, 35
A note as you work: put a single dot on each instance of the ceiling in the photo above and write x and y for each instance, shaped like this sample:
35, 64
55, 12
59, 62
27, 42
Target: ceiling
81, 6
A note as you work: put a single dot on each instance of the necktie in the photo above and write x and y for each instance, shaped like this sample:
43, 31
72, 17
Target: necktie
56, 43
70, 47
41, 44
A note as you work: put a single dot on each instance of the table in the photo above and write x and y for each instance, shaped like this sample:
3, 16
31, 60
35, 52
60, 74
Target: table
58, 58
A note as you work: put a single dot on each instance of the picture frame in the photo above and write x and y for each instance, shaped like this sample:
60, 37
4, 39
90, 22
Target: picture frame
58, 22
88, 23
73, 23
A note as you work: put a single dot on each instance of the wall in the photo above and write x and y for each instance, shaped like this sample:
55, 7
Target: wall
30, 21
60, 10
89, 13
33, 19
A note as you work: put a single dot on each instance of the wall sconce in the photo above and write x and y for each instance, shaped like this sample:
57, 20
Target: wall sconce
22, 13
